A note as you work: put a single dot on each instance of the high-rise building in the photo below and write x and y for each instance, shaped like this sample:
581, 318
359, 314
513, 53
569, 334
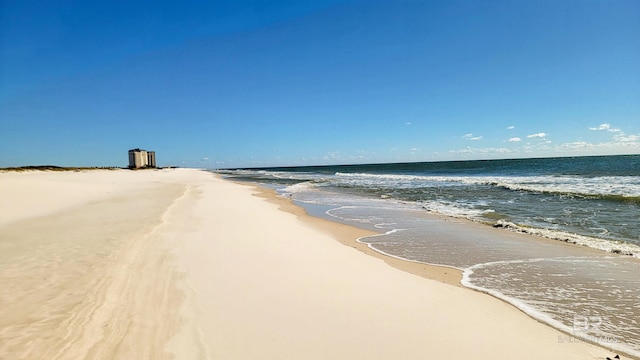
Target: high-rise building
151, 159
139, 158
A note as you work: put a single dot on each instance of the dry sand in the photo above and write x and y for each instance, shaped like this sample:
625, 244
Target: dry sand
181, 264
82, 272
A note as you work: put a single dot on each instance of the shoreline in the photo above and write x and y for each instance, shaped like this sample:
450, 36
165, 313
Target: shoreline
350, 236
433, 319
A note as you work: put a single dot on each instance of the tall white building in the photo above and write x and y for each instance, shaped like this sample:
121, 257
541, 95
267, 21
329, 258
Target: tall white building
139, 158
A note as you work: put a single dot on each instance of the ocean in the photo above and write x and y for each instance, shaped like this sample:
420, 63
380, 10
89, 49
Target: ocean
577, 266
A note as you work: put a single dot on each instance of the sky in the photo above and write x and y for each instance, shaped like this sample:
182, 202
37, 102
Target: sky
256, 83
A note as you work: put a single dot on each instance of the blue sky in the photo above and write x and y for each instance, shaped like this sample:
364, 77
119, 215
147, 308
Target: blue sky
268, 83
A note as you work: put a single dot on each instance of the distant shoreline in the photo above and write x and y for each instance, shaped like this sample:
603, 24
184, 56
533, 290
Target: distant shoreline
76, 168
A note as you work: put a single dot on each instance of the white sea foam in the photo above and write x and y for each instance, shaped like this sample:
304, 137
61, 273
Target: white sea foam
299, 187
611, 341
529, 310
372, 247
454, 209
611, 246
476, 210
625, 186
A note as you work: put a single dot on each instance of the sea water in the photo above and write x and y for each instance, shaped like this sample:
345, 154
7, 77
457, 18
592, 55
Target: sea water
578, 271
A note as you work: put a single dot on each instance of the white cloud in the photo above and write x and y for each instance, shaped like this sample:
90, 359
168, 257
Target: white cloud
622, 137
471, 137
333, 155
619, 144
577, 145
511, 127
538, 135
470, 150
541, 145
407, 123
619, 136
608, 148
605, 126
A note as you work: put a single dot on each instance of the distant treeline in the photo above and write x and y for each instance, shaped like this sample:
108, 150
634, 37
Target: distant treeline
58, 168
73, 168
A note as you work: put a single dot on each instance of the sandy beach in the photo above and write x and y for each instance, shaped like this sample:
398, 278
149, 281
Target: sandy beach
179, 264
